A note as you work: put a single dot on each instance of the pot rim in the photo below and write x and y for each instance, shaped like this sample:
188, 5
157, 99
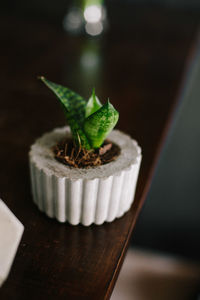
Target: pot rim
42, 156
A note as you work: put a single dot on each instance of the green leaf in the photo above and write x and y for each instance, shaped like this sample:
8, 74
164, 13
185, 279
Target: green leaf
74, 107
98, 125
93, 104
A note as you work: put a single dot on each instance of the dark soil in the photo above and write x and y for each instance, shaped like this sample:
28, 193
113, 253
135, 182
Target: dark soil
69, 154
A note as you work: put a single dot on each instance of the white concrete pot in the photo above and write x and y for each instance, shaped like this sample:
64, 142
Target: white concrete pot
95, 195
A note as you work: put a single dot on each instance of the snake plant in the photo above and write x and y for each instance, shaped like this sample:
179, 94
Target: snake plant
90, 121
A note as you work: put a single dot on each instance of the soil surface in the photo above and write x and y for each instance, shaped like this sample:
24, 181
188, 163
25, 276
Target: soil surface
69, 154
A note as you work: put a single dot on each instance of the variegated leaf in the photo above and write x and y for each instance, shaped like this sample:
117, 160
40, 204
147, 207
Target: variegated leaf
98, 125
74, 107
93, 105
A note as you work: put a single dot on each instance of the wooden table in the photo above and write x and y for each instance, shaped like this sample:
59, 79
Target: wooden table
138, 64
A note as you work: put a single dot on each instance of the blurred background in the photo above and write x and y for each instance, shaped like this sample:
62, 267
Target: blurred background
139, 53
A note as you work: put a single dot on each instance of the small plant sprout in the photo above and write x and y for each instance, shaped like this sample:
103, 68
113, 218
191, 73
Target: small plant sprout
90, 121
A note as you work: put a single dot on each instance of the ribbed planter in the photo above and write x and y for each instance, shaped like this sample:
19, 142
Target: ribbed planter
85, 196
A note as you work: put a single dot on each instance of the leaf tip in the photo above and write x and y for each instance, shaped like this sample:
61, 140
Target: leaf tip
93, 94
108, 104
41, 78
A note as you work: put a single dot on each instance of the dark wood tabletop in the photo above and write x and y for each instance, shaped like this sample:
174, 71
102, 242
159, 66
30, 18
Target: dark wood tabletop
139, 64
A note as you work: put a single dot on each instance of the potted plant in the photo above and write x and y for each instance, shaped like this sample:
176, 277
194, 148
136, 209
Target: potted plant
87, 172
